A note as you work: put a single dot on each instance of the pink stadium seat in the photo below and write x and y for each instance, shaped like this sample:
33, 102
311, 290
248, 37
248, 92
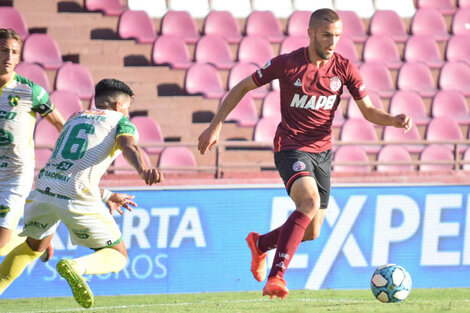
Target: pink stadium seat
394, 153
347, 49
291, 43
35, 73
76, 78
242, 70
393, 134
12, 18
350, 153
171, 50
297, 25
461, 20
389, 23
136, 25
265, 129
182, 24
245, 113
446, 7
121, 161
255, 49
149, 132
176, 157
455, 75
429, 21
458, 48
411, 103
222, 23
42, 49
358, 129
272, 105
464, 4
214, 49
379, 48
108, 7
353, 26
443, 128
423, 48
418, 77
436, 153
353, 110
377, 78
67, 102
45, 134
264, 23
204, 78
42, 155
451, 103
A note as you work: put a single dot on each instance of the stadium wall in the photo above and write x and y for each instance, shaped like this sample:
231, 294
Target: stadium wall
191, 239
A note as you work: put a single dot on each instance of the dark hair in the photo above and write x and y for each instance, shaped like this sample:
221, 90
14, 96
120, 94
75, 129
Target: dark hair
108, 90
323, 15
8, 33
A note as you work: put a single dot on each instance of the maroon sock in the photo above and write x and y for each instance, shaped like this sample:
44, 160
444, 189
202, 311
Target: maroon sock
290, 236
269, 240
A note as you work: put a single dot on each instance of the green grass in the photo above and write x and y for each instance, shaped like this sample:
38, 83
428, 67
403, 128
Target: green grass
298, 301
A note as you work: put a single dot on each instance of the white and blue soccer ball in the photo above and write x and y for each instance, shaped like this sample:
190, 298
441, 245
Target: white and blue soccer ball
391, 283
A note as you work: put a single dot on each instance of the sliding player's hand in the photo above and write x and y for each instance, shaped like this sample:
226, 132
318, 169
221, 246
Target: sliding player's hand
117, 201
152, 176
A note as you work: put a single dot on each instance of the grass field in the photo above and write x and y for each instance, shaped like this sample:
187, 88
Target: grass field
298, 301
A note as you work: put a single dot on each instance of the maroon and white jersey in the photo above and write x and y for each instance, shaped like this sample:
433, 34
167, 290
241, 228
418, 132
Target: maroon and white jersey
309, 97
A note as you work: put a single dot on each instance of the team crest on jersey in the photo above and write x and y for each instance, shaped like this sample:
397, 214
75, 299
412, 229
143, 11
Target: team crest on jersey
299, 166
13, 100
335, 83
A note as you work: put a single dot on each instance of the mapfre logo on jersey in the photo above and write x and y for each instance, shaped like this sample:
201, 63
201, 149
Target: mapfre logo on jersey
335, 83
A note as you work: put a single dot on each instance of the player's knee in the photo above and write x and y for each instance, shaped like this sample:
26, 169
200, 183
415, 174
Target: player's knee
310, 204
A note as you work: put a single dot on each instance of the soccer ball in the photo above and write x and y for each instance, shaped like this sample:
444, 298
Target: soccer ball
391, 283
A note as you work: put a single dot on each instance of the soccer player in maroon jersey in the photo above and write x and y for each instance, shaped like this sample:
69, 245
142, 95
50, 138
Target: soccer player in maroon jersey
311, 80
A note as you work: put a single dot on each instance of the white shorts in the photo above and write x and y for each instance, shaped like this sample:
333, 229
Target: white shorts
89, 222
13, 194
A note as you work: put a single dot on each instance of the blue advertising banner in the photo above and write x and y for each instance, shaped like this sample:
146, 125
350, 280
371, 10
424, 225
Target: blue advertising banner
193, 240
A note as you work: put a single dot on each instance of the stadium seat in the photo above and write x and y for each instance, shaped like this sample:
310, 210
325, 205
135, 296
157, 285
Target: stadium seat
239, 9
429, 21
451, 103
272, 105
353, 110
377, 78
76, 78
264, 23
136, 25
255, 49
350, 153
382, 48
347, 49
35, 73
171, 50
242, 70
45, 134
455, 75
394, 153
363, 8
309, 5
444, 128
397, 135
291, 43
67, 102
176, 157
149, 133
436, 153
12, 18
224, 24
425, 49
265, 129
461, 21
418, 77
154, 8
411, 103
41, 156
180, 23
463, 4
42, 49
446, 7
280, 8
353, 26
108, 7
389, 23
197, 8
297, 24
358, 129
214, 49
404, 8
245, 113
204, 78
458, 48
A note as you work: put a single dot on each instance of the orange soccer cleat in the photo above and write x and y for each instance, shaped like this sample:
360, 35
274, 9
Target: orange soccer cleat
276, 286
258, 258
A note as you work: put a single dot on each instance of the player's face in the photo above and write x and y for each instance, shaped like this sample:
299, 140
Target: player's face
325, 37
10, 51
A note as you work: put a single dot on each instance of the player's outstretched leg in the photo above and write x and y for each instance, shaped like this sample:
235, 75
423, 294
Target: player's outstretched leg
276, 287
82, 293
258, 258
